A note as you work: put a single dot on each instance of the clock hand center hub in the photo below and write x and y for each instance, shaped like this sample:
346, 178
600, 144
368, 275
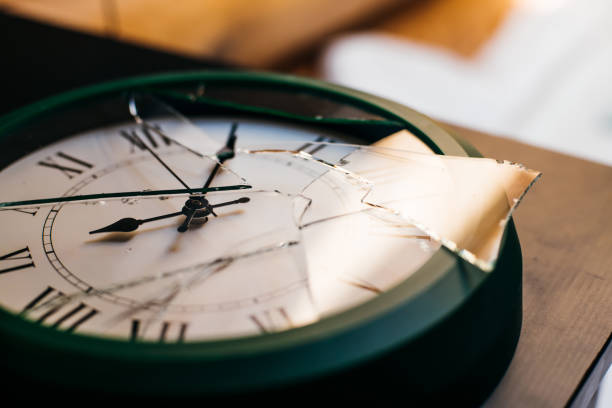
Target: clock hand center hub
197, 207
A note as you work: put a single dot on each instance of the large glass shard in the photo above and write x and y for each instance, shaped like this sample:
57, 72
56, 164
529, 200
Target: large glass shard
260, 222
470, 217
464, 203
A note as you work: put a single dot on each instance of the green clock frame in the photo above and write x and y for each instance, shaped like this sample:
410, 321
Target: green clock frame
447, 333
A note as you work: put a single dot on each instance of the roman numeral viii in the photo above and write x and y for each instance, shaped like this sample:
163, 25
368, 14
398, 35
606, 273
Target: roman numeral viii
49, 308
16, 260
69, 166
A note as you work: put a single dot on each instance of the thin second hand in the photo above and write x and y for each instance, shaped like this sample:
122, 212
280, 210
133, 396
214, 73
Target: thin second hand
125, 194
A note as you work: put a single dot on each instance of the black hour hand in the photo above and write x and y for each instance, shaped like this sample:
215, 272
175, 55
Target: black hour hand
199, 207
131, 224
195, 207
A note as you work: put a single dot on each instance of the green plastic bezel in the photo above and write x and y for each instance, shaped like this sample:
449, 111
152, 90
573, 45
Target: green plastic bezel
383, 325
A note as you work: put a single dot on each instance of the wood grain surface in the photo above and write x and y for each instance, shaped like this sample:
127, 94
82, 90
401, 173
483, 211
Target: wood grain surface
565, 229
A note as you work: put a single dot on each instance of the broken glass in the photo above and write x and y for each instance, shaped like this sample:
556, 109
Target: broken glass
313, 205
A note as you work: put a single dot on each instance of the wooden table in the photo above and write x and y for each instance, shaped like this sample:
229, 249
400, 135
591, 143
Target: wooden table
565, 229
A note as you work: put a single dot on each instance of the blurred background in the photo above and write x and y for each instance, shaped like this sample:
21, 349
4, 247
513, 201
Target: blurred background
538, 71
533, 70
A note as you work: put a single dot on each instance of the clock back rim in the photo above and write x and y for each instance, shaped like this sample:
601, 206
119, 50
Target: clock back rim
463, 326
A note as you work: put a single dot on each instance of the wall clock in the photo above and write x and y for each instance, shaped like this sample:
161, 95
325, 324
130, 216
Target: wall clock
215, 234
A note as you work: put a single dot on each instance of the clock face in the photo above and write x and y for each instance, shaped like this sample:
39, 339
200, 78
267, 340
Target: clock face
289, 242
255, 240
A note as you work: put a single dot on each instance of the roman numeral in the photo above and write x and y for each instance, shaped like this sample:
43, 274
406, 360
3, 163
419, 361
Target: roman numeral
18, 255
174, 330
71, 165
49, 308
311, 148
272, 320
153, 138
32, 210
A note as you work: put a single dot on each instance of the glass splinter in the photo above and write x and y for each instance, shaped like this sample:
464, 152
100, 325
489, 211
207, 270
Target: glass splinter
464, 203
320, 226
201, 270
148, 110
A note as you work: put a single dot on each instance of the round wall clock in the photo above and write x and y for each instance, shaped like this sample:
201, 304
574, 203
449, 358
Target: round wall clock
210, 235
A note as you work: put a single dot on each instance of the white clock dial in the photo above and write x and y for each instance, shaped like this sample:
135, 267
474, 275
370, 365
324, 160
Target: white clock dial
292, 248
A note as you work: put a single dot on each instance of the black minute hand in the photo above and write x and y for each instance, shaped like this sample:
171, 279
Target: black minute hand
226, 152
9, 205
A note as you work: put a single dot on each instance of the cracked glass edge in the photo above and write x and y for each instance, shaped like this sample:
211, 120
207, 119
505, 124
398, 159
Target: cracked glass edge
145, 117
358, 179
368, 186
199, 267
204, 267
